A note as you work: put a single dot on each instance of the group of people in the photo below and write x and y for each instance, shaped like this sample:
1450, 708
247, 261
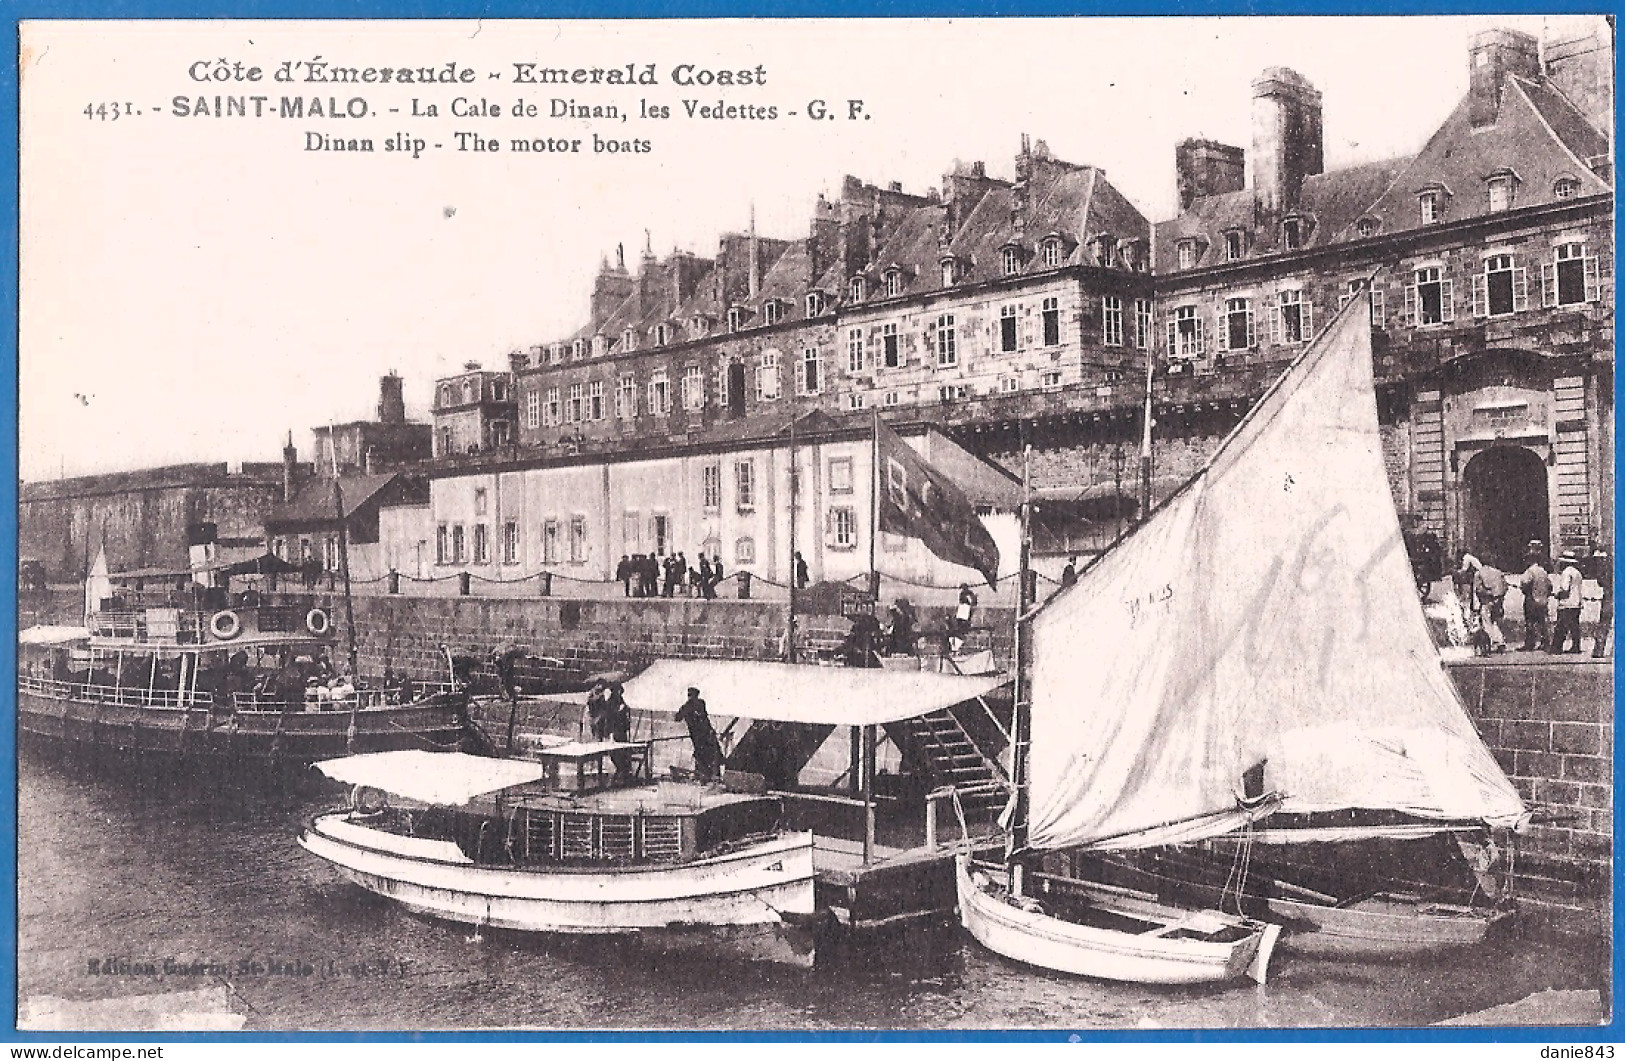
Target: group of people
1481, 590
609, 718
646, 575
899, 635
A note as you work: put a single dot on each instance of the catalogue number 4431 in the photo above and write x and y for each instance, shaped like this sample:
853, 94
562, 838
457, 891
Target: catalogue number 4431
110, 112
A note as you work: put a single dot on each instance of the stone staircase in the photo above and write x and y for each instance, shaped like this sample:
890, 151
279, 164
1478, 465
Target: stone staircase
938, 743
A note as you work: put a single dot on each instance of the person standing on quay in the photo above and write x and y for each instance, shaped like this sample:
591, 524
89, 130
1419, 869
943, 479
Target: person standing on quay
707, 749
801, 572
707, 591
1537, 594
1603, 571
1490, 586
623, 574
1568, 587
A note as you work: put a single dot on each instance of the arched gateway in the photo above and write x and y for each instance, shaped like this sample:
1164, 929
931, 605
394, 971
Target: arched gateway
1504, 504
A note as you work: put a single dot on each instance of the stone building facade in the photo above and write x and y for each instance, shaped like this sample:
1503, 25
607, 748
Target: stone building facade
473, 411
1023, 312
1490, 258
365, 447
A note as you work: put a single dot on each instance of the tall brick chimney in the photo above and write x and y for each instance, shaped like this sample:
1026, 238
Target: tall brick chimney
1206, 167
1287, 137
391, 402
611, 289
1493, 54
1580, 61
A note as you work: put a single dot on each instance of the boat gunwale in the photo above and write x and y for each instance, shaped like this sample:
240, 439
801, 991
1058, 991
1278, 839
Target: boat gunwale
1192, 951
789, 842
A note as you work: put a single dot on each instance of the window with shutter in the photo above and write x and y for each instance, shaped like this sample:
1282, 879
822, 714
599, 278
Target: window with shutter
1447, 300
1520, 289
1410, 305
1593, 280
1548, 284
1221, 341
1576, 275
1494, 292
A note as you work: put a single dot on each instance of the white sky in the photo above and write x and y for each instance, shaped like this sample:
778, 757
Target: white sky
194, 288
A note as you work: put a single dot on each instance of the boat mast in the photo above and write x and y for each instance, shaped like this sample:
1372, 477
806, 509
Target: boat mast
1021, 721
790, 620
344, 551
874, 508
1145, 442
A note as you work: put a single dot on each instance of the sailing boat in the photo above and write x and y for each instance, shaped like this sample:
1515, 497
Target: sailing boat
1255, 646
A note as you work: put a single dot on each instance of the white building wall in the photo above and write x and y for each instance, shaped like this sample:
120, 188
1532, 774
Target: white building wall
618, 506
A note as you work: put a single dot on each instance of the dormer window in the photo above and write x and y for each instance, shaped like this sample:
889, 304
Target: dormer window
1502, 187
1233, 244
1566, 188
815, 303
1366, 227
662, 334
700, 325
855, 289
893, 281
468, 390
1050, 251
499, 391
1292, 234
1187, 254
1105, 247
950, 272
736, 318
1432, 202
772, 311
555, 354
1134, 255
629, 340
578, 350
599, 345
445, 394
1010, 261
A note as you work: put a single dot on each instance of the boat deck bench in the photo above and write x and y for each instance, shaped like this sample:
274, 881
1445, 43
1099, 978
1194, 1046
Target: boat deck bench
585, 755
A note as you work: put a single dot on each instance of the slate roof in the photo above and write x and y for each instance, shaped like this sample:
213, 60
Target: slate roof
1539, 136
313, 504
1524, 140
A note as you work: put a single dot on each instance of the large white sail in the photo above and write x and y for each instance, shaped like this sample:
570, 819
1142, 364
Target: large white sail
1265, 616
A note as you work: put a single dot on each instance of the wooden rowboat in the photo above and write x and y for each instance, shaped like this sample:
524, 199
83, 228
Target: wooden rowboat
1111, 933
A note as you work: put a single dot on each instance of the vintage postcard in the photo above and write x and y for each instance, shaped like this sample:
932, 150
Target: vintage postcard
1064, 525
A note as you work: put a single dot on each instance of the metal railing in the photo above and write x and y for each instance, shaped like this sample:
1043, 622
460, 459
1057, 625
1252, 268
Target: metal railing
109, 694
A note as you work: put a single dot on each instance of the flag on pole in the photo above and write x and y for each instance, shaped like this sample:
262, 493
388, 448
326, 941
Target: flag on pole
917, 501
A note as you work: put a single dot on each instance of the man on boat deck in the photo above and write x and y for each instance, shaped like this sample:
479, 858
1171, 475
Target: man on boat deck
707, 749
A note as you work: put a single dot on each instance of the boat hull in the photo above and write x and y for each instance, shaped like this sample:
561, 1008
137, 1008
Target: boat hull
1375, 928
198, 732
1047, 942
1380, 928
756, 901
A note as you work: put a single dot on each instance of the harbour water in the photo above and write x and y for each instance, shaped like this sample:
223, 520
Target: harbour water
122, 894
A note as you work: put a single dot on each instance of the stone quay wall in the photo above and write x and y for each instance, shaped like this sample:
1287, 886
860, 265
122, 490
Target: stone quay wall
1549, 724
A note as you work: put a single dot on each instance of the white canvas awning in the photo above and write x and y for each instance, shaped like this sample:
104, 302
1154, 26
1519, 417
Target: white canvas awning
443, 778
49, 636
794, 692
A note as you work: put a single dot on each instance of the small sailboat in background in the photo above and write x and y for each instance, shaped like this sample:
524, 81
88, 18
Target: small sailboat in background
1254, 647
